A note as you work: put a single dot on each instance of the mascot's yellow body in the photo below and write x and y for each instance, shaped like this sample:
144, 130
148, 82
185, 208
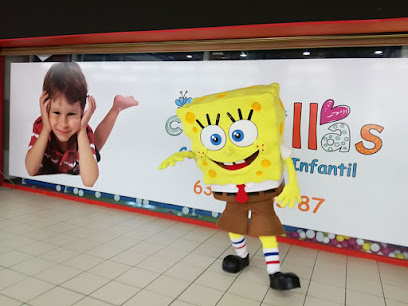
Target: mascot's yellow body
237, 143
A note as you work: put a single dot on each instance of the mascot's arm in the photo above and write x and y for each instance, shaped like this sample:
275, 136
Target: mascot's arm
291, 191
179, 156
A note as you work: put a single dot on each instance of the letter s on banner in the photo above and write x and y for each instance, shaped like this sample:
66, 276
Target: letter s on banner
366, 135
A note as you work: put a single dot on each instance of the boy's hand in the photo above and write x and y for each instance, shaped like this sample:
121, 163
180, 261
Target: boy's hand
88, 113
45, 104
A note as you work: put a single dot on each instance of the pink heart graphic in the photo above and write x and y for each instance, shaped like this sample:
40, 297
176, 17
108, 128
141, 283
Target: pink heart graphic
331, 114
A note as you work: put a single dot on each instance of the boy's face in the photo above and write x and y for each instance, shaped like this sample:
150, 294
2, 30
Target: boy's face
65, 118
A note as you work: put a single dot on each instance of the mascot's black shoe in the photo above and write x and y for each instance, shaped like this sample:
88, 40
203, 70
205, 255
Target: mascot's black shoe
284, 281
234, 263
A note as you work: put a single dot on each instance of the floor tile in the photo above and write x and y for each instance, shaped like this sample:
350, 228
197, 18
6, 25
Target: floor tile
354, 298
138, 277
215, 280
173, 253
300, 270
201, 295
209, 250
27, 289
330, 257
331, 274
315, 301
180, 303
162, 239
198, 260
37, 248
138, 234
248, 289
104, 251
82, 245
61, 240
80, 232
130, 258
146, 297
168, 286
199, 235
283, 298
109, 269
58, 295
327, 292
83, 262
372, 287
255, 275
395, 303
184, 271
393, 275
86, 283
17, 242
58, 274
4, 300
59, 255
105, 236
216, 266
88, 301
40, 234
33, 266
395, 293
234, 300
61, 227
184, 244
157, 264
10, 277
4, 250
12, 258
6, 232
147, 247
308, 256
115, 293
122, 243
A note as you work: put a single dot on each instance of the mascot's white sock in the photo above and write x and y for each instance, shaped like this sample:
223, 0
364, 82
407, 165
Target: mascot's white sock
239, 243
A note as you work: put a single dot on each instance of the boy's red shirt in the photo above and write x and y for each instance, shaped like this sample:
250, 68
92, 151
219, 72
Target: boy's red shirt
55, 161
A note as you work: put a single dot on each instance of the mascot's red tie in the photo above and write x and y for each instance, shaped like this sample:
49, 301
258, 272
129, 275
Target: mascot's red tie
242, 196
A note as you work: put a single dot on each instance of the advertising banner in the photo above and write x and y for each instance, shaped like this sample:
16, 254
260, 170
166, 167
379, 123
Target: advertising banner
344, 119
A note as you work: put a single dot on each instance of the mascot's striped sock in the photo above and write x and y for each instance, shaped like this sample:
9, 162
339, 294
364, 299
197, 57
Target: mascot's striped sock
272, 260
239, 243
271, 253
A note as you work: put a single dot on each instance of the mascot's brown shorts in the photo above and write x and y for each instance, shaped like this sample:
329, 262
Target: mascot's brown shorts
263, 222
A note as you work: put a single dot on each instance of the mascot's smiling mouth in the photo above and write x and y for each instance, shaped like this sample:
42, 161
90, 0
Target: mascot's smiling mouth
238, 164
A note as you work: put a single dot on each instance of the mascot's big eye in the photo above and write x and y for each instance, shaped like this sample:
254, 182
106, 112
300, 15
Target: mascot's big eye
243, 133
213, 137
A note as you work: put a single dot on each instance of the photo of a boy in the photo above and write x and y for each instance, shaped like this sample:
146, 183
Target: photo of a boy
62, 140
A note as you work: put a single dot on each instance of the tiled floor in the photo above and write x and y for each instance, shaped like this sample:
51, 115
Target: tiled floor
58, 252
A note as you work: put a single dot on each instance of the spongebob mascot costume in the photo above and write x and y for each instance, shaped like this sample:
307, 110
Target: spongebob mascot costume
237, 143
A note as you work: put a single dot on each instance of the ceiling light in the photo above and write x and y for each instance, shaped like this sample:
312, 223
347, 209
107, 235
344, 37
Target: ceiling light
378, 52
243, 54
306, 53
189, 56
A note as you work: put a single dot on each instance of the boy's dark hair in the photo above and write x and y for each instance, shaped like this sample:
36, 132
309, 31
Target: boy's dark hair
66, 79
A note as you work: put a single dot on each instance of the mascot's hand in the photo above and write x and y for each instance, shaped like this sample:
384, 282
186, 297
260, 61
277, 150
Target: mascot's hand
289, 194
179, 156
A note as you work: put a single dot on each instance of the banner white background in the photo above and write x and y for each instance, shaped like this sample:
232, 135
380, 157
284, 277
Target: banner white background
370, 205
